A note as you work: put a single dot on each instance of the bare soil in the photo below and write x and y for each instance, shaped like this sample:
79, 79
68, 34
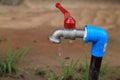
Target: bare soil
31, 23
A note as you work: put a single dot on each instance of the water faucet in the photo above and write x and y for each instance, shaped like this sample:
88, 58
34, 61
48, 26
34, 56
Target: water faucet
70, 32
98, 36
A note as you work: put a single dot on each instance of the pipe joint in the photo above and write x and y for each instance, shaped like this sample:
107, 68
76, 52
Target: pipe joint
99, 39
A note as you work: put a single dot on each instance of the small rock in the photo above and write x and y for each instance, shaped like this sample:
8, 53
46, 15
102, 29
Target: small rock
67, 58
35, 41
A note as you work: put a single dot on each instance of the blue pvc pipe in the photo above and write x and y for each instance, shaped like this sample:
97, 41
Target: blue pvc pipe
99, 38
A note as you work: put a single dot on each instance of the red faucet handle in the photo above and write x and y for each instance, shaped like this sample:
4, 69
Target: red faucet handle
64, 11
69, 22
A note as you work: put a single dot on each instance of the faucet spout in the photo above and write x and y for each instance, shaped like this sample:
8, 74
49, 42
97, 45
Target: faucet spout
67, 34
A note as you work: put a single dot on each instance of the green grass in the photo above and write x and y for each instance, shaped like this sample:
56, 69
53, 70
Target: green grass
103, 69
80, 68
118, 74
1, 40
40, 71
12, 59
72, 72
52, 77
85, 76
68, 70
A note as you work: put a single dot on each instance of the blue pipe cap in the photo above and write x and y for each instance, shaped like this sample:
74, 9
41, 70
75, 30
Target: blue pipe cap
99, 38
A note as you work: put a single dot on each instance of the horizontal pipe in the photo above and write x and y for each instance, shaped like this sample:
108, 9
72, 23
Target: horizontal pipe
67, 34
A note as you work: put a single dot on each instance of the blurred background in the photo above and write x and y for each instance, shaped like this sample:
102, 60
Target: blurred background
30, 22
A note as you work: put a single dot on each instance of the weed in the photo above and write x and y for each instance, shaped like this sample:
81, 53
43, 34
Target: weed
68, 70
12, 59
1, 40
81, 68
118, 76
86, 74
40, 71
103, 71
117, 73
52, 77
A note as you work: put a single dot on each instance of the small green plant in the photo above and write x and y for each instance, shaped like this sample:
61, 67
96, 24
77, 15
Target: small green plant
40, 71
1, 40
11, 60
80, 68
103, 71
118, 75
86, 74
52, 77
68, 70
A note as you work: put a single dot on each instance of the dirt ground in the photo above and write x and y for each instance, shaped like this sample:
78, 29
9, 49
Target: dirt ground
30, 24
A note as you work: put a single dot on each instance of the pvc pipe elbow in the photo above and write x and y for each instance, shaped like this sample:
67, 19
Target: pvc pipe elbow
98, 37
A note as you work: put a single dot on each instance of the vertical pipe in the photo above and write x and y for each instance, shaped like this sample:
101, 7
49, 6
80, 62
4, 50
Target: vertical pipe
94, 68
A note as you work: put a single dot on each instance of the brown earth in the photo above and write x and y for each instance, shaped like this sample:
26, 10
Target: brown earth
30, 25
